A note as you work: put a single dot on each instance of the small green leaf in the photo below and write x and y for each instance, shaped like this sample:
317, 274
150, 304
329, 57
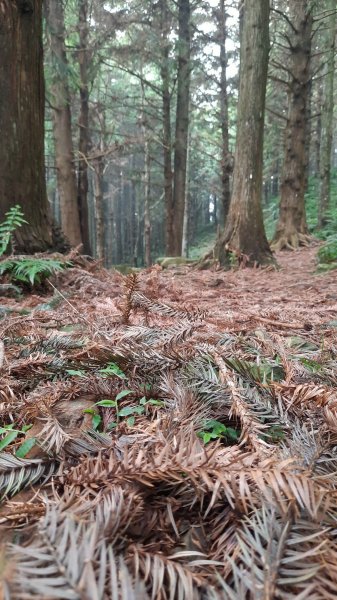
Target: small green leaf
206, 437
75, 373
219, 429
111, 425
232, 433
130, 421
113, 369
131, 410
126, 411
123, 394
26, 428
107, 403
155, 402
8, 439
27, 445
7, 428
96, 420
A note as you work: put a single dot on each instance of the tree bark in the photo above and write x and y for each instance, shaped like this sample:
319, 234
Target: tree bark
147, 185
186, 222
327, 121
182, 122
317, 148
98, 168
226, 158
244, 232
22, 177
83, 123
64, 154
291, 230
166, 115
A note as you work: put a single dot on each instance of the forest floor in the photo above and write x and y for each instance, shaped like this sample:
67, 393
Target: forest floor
180, 425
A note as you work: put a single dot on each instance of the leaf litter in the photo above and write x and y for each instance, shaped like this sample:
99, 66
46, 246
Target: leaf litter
170, 435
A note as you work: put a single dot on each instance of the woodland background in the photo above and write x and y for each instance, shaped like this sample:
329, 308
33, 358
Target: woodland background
141, 116
168, 434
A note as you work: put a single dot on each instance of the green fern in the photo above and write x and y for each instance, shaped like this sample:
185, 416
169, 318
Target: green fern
30, 270
14, 219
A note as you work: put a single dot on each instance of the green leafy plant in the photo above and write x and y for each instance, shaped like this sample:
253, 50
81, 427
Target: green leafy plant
328, 252
31, 271
327, 255
14, 219
127, 411
112, 369
10, 433
214, 430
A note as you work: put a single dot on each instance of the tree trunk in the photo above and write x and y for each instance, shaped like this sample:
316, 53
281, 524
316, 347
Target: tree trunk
147, 186
98, 167
118, 217
182, 122
166, 112
64, 154
244, 232
186, 222
291, 229
317, 149
327, 121
226, 158
83, 123
22, 177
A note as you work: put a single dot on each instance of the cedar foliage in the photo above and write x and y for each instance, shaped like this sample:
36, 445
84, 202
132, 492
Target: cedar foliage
144, 509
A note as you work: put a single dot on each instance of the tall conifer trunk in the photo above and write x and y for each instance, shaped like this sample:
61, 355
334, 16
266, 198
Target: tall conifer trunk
22, 176
83, 123
327, 120
60, 99
244, 232
166, 115
291, 229
226, 158
182, 122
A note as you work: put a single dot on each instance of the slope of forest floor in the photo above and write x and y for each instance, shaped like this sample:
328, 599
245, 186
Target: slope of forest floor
172, 434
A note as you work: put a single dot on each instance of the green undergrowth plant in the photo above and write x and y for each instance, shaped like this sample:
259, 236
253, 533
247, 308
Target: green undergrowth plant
215, 430
127, 412
31, 271
327, 255
14, 219
27, 271
9, 433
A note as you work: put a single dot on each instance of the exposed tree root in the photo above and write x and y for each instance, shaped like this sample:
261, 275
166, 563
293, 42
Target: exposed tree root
291, 241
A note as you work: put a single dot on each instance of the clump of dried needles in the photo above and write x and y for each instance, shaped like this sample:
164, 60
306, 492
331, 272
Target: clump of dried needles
119, 494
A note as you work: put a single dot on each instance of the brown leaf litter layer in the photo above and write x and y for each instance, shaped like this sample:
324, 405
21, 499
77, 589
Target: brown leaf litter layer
182, 435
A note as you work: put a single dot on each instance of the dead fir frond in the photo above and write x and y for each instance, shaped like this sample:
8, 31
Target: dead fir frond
130, 286
279, 557
17, 474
